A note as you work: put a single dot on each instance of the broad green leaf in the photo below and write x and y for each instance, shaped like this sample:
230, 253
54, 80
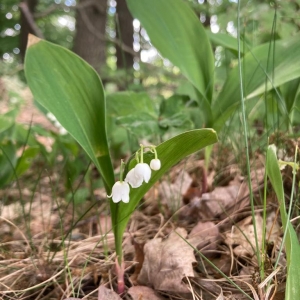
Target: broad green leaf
291, 242
179, 36
174, 113
186, 88
296, 110
72, 91
141, 125
135, 112
225, 40
170, 153
289, 92
126, 103
258, 67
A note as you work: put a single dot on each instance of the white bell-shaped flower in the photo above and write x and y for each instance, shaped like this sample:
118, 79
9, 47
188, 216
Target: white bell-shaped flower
120, 191
155, 164
143, 171
133, 180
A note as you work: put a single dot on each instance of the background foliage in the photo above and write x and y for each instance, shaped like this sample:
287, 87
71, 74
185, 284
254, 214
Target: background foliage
166, 94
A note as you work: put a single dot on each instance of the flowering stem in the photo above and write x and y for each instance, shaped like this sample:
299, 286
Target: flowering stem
122, 170
154, 151
142, 153
118, 244
137, 156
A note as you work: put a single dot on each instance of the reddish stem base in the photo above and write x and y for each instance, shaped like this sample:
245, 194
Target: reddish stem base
120, 270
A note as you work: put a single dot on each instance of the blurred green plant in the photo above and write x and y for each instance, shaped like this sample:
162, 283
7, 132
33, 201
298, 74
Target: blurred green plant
267, 67
134, 116
20, 148
13, 164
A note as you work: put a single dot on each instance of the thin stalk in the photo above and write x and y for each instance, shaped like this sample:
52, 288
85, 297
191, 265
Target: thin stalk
244, 123
262, 269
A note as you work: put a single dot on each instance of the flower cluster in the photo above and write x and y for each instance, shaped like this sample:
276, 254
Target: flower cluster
135, 177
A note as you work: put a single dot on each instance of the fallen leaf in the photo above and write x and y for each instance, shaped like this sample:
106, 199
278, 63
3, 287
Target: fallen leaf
143, 293
139, 258
224, 200
215, 203
174, 191
242, 235
223, 263
107, 294
203, 234
167, 262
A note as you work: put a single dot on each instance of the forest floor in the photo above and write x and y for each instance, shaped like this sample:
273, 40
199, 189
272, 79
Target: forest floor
191, 225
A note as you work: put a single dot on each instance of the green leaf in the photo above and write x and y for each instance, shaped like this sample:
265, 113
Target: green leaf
5, 123
179, 36
139, 124
170, 153
291, 242
289, 92
8, 159
72, 91
174, 113
225, 40
25, 160
258, 66
126, 103
135, 112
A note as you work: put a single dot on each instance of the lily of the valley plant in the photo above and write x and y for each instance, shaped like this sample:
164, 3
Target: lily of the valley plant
72, 91
121, 190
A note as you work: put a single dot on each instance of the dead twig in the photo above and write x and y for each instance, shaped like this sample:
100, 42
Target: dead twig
29, 18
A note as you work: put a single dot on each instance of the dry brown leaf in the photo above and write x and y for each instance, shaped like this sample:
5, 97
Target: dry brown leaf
204, 233
167, 262
243, 235
139, 258
233, 197
175, 191
143, 293
216, 202
223, 263
107, 294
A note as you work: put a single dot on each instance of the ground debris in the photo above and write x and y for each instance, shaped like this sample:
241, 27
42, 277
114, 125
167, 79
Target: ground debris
143, 292
167, 262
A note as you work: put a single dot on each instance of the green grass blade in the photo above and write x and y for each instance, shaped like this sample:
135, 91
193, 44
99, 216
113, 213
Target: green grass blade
72, 91
179, 36
170, 153
291, 242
